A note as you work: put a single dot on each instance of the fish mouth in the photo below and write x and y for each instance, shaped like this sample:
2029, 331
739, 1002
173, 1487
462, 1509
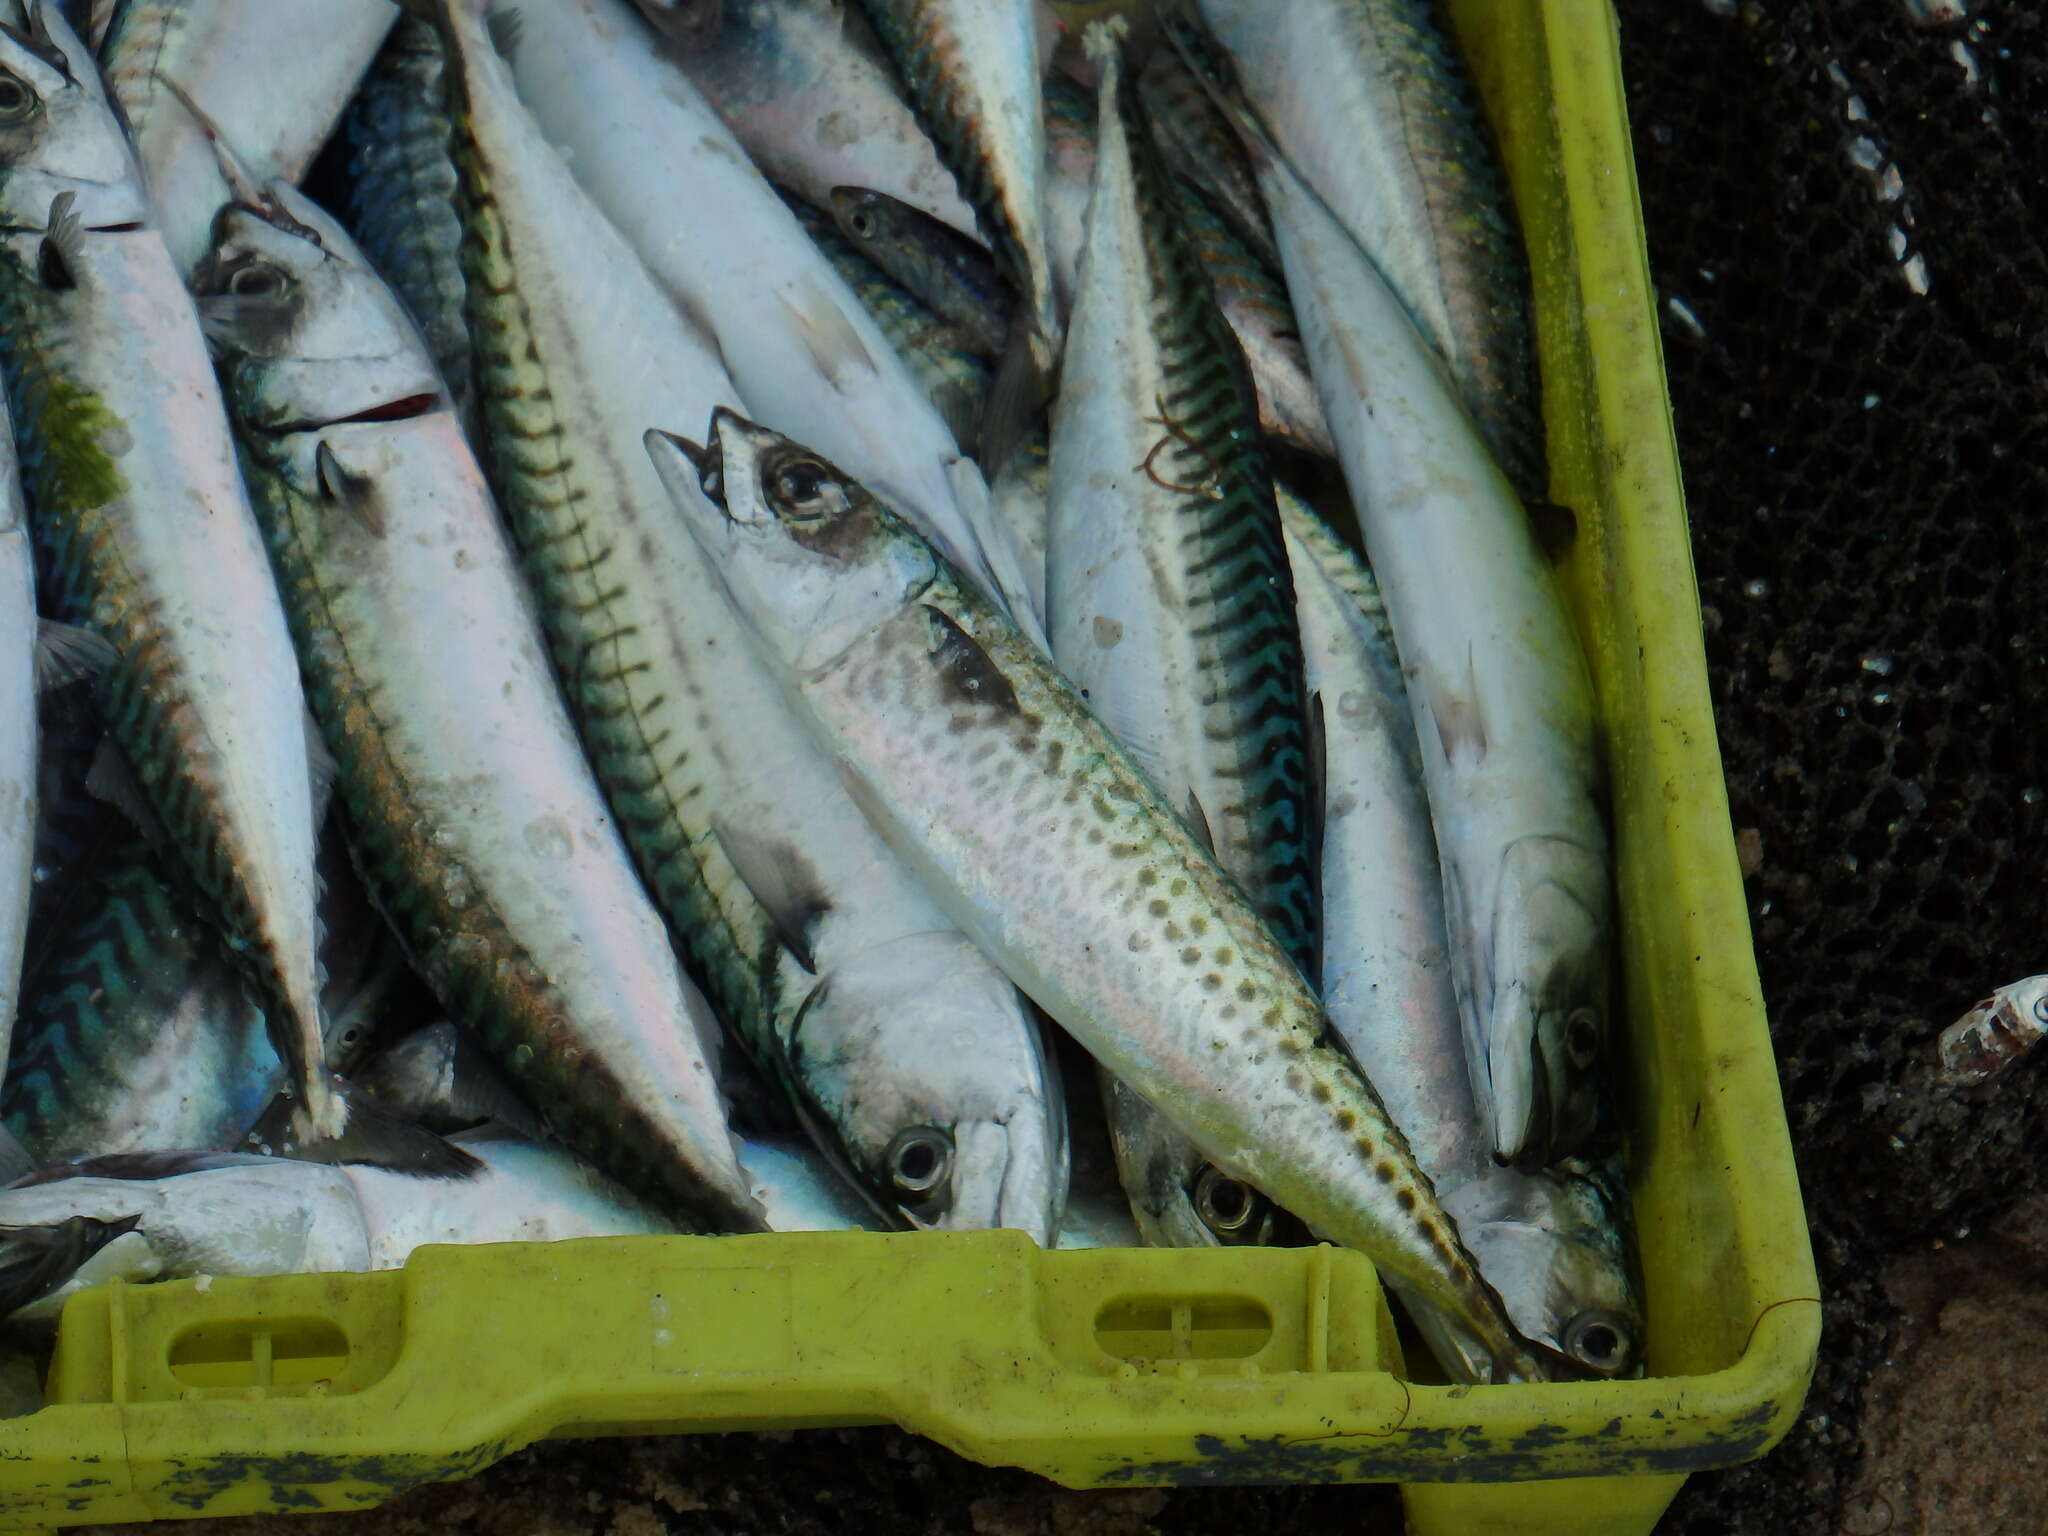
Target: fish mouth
707, 460
405, 408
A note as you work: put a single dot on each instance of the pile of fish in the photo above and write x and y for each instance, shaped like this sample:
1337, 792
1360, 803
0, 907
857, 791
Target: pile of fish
739, 615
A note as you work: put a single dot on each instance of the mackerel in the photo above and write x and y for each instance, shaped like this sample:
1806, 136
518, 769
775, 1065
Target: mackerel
220, 1213
1551, 1242
1167, 594
801, 350
1497, 686
1049, 846
402, 195
274, 74
119, 418
1370, 104
904, 1049
1203, 149
974, 71
951, 272
1250, 296
806, 88
138, 1031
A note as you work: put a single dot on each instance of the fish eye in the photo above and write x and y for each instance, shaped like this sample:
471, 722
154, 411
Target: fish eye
1598, 1341
862, 223
1227, 1206
1582, 1036
920, 1160
806, 488
2041, 1009
257, 280
18, 100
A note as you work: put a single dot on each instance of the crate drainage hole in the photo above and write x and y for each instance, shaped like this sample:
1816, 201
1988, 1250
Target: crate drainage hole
1183, 1327
260, 1352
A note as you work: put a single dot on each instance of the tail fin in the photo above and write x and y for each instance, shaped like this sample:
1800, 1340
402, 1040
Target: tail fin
369, 1133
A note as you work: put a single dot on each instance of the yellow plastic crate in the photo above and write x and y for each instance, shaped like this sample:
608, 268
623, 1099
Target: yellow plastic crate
1111, 1367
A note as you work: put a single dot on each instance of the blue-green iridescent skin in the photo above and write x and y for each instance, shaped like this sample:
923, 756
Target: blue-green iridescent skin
402, 182
1210, 458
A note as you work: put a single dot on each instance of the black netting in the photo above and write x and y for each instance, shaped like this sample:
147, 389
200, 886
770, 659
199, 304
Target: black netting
1866, 464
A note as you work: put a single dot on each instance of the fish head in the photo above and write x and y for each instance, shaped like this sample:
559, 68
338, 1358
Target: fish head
58, 132
927, 1074
306, 331
1553, 1245
812, 561
1178, 1198
1548, 1029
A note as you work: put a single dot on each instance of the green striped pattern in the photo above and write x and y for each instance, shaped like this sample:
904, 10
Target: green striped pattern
1235, 563
644, 766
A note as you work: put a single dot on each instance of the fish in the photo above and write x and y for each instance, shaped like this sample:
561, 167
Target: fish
799, 347
253, 67
1204, 152
1252, 298
1371, 106
139, 1032
36, 1260
188, 1214
466, 797
1175, 1197
900, 1046
1497, 685
952, 374
1167, 593
974, 72
401, 208
20, 759
1049, 847
808, 92
1551, 1241
950, 272
118, 416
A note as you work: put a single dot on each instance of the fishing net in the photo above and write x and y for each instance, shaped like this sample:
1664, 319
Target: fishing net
1846, 206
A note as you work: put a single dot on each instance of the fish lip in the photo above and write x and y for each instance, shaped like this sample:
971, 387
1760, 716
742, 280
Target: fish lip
706, 461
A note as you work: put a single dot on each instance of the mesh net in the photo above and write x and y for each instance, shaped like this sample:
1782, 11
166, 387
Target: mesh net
1846, 206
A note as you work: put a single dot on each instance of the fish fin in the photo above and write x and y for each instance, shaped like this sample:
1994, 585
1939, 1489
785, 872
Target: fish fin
1318, 783
1556, 528
1198, 823
829, 337
1460, 724
321, 769
783, 881
36, 1260
67, 654
111, 780
479, 1091
15, 1162
505, 26
370, 1134
1017, 395
959, 405
58, 257
349, 490
966, 673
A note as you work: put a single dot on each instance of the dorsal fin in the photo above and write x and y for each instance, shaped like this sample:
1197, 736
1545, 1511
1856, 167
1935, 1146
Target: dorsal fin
1198, 823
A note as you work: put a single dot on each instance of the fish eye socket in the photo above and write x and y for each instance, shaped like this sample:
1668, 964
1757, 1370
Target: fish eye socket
18, 101
1227, 1206
2041, 1008
920, 1160
1598, 1342
1582, 1036
863, 223
806, 488
257, 280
